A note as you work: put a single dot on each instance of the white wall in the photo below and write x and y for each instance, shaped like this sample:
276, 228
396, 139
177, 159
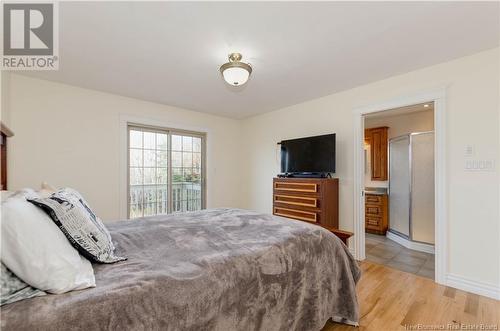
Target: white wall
69, 136
398, 125
472, 118
4, 100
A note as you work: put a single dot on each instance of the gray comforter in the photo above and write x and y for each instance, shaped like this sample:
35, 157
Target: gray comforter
219, 269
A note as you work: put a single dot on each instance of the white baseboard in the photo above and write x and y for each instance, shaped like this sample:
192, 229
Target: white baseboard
416, 246
473, 286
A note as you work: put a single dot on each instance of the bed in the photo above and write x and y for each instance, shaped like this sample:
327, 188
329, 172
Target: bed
218, 269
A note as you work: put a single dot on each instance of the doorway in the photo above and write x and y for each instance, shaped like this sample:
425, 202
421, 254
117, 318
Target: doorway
402, 238
399, 188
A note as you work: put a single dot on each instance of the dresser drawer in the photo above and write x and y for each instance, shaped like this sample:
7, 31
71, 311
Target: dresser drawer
373, 222
373, 199
373, 210
309, 216
296, 187
302, 201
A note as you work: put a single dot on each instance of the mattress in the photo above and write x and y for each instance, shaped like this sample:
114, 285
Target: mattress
218, 269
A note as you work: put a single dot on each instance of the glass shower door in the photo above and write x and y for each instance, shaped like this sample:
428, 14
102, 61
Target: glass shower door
399, 185
422, 188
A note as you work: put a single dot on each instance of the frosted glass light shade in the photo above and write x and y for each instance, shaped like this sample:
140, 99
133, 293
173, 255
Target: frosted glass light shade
236, 76
235, 72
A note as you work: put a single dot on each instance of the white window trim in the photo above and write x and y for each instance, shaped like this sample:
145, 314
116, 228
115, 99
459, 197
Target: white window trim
124, 121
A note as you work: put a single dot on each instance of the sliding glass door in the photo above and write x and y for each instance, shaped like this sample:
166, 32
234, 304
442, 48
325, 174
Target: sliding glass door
166, 171
186, 173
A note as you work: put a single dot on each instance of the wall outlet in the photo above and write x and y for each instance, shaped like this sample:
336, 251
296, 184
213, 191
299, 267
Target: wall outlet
480, 165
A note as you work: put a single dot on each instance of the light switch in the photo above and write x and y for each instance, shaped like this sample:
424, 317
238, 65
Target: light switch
469, 150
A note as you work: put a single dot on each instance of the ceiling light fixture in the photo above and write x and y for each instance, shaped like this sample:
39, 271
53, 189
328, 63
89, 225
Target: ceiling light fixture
426, 105
235, 72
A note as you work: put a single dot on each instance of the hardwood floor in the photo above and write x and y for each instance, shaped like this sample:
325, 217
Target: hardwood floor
389, 299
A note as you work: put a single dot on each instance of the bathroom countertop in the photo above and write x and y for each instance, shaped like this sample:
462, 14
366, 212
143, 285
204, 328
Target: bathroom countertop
376, 190
375, 193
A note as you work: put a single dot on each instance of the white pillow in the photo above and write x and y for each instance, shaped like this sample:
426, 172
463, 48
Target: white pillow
36, 250
5, 194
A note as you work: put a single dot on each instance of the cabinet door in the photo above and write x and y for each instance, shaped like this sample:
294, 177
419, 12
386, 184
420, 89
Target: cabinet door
379, 153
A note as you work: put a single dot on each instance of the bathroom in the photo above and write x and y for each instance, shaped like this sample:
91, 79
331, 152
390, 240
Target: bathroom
399, 188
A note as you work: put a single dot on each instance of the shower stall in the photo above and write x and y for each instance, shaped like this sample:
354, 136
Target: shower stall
411, 187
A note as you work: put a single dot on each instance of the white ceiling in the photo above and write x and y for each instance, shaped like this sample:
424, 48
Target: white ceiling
170, 53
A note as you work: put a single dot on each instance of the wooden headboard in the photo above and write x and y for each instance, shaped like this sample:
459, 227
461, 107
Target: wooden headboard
5, 133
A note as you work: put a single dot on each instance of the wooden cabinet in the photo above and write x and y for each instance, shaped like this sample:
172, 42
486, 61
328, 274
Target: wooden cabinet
313, 200
376, 213
378, 141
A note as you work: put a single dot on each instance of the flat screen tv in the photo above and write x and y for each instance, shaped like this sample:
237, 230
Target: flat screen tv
311, 155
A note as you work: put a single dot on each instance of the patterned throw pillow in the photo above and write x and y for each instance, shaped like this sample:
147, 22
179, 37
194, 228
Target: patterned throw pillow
86, 232
13, 289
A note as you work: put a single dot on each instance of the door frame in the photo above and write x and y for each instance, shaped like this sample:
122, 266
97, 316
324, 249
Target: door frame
438, 96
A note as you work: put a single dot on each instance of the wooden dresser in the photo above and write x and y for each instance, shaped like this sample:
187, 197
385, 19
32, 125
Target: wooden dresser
376, 213
314, 200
